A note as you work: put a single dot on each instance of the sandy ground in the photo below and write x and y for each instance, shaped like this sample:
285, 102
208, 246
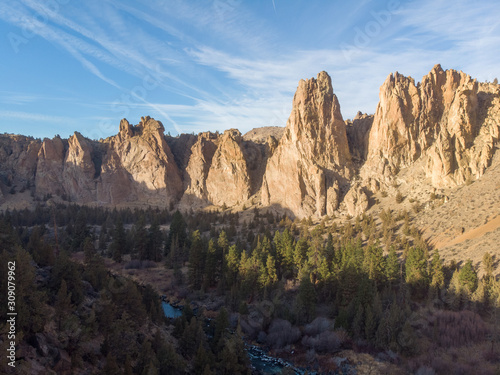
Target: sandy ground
468, 224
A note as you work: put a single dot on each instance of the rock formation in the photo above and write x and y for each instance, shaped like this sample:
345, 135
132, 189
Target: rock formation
79, 170
358, 131
18, 160
228, 181
445, 128
198, 166
437, 119
139, 166
50, 166
312, 159
356, 201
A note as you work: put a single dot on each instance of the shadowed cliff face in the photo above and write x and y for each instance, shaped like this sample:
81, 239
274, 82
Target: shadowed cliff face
18, 160
135, 166
447, 125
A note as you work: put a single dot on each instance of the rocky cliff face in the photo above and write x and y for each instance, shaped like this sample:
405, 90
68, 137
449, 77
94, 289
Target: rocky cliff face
50, 166
312, 160
197, 166
18, 160
79, 170
445, 128
228, 181
139, 166
438, 119
135, 166
358, 131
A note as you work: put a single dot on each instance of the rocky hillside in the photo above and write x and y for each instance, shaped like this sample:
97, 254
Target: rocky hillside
444, 129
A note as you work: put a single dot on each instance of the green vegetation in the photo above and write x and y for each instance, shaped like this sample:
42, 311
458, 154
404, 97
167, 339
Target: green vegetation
368, 283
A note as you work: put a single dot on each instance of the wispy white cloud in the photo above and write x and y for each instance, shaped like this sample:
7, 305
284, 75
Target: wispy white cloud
20, 98
35, 117
466, 35
229, 68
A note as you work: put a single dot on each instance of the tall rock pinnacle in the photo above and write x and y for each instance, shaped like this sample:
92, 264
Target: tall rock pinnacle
312, 160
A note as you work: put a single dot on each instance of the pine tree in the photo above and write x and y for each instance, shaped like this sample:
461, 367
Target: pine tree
376, 264
488, 264
270, 269
284, 253
103, 240
479, 297
196, 260
155, 241
437, 273
416, 271
64, 269
42, 253
88, 250
81, 231
306, 299
468, 277
300, 255
63, 304
140, 248
392, 266
233, 358
191, 338
111, 367
370, 323
455, 294
96, 272
146, 358
128, 370
169, 362
221, 325
232, 263
177, 229
210, 265
358, 322
29, 300
118, 246
201, 360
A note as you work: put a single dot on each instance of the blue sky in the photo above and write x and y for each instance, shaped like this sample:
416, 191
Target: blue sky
71, 65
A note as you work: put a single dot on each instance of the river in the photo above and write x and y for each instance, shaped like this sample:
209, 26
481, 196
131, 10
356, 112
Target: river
171, 311
261, 362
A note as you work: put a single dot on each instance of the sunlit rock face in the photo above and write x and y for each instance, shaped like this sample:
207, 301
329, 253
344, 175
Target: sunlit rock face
446, 119
312, 160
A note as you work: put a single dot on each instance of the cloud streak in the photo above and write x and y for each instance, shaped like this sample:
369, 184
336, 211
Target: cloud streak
219, 64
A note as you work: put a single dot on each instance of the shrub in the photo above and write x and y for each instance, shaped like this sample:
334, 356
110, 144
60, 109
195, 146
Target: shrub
399, 197
450, 329
148, 264
281, 333
384, 194
424, 370
325, 342
319, 325
134, 264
